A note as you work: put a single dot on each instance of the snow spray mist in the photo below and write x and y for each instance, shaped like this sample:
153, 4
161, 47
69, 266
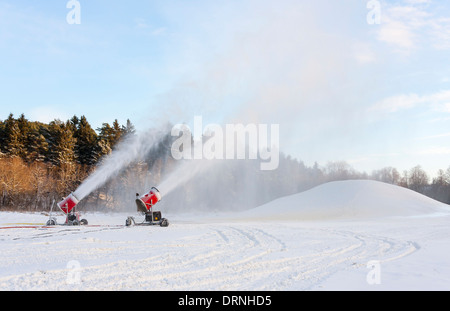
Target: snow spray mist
130, 149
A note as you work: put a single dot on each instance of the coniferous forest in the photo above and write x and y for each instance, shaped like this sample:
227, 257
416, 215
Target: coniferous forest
40, 163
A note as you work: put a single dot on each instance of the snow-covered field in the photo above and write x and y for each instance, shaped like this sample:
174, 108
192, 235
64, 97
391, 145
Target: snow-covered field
353, 235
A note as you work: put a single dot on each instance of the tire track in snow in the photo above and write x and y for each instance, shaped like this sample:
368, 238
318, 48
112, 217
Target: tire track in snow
233, 267
372, 247
217, 257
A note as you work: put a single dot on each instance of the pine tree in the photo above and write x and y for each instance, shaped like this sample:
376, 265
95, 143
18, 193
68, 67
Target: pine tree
2, 137
62, 145
86, 137
111, 134
101, 149
105, 132
117, 133
13, 143
24, 127
36, 144
129, 128
74, 122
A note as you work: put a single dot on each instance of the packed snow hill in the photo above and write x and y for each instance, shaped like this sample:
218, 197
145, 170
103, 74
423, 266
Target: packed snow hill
349, 235
362, 199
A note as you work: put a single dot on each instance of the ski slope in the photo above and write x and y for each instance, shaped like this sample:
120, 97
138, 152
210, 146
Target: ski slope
326, 238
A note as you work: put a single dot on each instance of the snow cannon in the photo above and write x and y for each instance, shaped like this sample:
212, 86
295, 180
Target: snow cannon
145, 205
149, 199
67, 206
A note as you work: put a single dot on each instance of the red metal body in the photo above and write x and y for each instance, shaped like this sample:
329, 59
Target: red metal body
68, 204
151, 198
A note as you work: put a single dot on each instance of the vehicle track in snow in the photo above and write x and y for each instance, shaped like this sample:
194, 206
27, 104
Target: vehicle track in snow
218, 256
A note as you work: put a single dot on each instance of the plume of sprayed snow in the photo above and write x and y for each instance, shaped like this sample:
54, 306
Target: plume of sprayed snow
184, 172
127, 151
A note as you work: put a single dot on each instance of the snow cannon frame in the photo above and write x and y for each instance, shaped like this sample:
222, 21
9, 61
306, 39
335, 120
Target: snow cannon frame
67, 206
145, 205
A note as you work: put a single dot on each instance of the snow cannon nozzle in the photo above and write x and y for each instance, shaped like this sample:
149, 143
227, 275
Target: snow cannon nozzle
148, 200
67, 204
152, 197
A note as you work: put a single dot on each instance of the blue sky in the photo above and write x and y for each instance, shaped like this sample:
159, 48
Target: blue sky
373, 95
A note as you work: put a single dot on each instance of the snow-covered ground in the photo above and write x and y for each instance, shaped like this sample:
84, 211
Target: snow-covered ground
353, 235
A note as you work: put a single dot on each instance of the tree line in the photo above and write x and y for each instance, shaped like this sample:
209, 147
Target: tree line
42, 162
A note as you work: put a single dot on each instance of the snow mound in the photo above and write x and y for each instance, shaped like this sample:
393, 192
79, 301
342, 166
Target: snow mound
352, 199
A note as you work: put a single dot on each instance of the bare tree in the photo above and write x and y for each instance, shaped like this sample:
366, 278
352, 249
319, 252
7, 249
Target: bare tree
339, 170
387, 174
418, 179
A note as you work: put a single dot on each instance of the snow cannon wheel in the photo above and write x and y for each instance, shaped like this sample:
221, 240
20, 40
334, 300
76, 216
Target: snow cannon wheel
72, 217
164, 222
83, 222
51, 222
75, 223
130, 222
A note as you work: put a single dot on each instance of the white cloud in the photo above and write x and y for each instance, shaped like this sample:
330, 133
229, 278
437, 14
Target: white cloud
440, 31
439, 101
399, 27
445, 107
397, 34
395, 103
412, 25
363, 53
435, 151
440, 119
141, 23
434, 136
417, 1
158, 31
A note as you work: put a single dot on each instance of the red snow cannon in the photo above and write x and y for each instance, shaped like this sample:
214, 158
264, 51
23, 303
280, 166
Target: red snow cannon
67, 206
145, 205
150, 199
68, 203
